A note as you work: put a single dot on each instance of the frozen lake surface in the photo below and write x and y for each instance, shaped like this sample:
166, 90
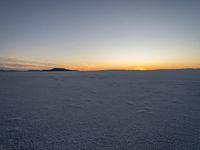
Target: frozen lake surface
105, 110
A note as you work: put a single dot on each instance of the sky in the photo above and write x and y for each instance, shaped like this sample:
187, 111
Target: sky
100, 34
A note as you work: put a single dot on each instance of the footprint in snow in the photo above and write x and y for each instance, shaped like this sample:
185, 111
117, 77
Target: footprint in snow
130, 103
74, 106
14, 130
146, 110
15, 119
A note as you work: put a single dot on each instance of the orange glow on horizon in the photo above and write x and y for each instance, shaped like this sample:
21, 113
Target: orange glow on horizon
134, 65
13, 63
96, 68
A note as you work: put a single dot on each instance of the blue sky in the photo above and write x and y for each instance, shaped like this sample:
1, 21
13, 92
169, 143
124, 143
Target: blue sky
103, 34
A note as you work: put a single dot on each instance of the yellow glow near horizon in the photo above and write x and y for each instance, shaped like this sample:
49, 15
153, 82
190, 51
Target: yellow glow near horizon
155, 67
112, 63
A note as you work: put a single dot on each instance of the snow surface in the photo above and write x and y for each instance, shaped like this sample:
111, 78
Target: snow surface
105, 110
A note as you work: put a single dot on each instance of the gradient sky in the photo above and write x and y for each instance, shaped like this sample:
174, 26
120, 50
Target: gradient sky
100, 34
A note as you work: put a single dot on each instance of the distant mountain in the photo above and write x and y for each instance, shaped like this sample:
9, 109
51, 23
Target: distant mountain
53, 69
59, 69
2, 70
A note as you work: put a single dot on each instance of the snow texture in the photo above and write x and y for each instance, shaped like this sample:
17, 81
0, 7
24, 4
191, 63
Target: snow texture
105, 110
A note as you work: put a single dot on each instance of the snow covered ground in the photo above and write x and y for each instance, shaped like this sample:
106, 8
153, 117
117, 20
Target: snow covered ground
105, 110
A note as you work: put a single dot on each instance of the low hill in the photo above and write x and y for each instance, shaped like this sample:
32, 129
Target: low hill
59, 69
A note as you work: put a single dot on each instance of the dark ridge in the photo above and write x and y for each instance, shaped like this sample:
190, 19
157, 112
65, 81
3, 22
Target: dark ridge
9, 70
46, 70
59, 69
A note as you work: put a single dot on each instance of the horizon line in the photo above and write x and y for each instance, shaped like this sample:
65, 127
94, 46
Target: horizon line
67, 69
